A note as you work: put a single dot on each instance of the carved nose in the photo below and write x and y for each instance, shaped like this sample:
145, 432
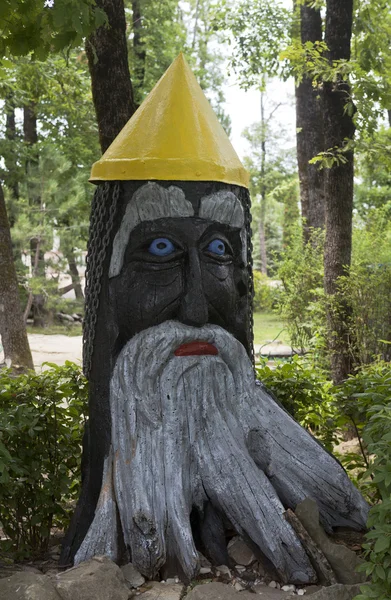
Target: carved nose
194, 307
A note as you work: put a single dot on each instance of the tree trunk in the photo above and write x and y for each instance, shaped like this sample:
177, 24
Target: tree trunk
309, 136
262, 217
339, 127
110, 78
11, 180
70, 256
36, 246
138, 47
389, 117
12, 327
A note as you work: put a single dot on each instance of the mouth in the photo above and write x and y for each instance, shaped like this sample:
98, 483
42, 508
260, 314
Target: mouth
197, 348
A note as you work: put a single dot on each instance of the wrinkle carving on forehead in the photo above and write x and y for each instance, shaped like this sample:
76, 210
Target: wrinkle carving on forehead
150, 202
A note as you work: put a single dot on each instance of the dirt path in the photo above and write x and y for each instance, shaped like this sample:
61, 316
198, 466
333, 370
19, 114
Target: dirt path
55, 348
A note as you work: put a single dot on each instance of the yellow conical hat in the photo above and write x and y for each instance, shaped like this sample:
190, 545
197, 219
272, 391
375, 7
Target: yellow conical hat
174, 135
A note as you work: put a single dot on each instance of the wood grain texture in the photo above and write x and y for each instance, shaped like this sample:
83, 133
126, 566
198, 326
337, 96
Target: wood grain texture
193, 431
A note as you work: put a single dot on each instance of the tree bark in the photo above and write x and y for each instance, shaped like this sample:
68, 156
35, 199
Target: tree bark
12, 327
30, 135
389, 117
339, 127
138, 47
70, 256
10, 160
110, 78
310, 135
262, 216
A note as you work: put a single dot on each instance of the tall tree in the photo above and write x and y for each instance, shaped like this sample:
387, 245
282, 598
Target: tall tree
309, 127
339, 130
110, 77
12, 328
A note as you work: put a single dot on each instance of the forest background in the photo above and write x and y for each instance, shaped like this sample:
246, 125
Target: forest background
320, 211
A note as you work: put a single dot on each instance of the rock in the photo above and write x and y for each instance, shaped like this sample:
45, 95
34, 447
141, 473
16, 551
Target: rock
95, 579
240, 552
267, 593
31, 569
204, 562
224, 570
223, 591
162, 591
337, 592
240, 568
342, 560
132, 577
311, 589
27, 586
205, 570
301, 592
288, 588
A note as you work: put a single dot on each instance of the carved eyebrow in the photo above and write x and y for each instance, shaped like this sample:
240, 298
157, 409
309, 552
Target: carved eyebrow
151, 201
223, 207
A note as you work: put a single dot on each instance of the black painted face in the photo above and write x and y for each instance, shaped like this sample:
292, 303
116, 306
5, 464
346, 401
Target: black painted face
186, 269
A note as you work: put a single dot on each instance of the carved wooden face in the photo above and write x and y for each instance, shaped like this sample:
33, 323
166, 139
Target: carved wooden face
178, 260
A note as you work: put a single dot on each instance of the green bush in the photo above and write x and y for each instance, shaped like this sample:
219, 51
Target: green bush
42, 419
377, 436
301, 300
263, 293
365, 400
305, 393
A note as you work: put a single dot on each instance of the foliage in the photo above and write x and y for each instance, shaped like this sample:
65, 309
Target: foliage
257, 32
301, 296
43, 26
273, 187
263, 292
366, 400
41, 426
305, 393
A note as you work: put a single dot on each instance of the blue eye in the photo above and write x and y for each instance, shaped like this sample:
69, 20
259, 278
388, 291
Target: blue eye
217, 247
161, 247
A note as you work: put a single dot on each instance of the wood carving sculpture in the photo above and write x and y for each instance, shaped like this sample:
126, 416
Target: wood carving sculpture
182, 442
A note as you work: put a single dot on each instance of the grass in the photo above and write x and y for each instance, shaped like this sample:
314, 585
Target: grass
268, 327
70, 330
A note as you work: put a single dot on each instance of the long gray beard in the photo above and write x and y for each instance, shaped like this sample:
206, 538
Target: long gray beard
195, 429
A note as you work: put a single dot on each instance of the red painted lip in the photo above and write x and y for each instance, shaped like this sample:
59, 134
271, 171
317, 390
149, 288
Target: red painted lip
197, 348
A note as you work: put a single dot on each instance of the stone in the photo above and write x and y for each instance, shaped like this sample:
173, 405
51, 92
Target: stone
268, 593
27, 586
224, 570
162, 591
96, 579
273, 584
312, 589
205, 570
288, 588
223, 591
204, 562
337, 592
133, 578
301, 592
240, 552
342, 560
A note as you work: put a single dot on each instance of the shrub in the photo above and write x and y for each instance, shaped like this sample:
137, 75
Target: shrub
263, 292
302, 296
305, 393
41, 426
